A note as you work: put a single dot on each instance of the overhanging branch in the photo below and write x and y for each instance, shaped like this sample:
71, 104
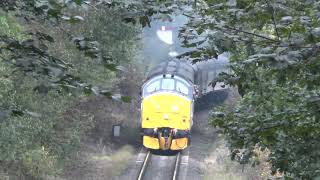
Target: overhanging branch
252, 34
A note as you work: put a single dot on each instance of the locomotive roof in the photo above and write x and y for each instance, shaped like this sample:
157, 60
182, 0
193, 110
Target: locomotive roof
174, 67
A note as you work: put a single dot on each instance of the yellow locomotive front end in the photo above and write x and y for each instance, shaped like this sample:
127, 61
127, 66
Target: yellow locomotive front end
167, 110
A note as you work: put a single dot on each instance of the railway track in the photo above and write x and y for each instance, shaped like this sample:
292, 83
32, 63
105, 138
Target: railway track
144, 168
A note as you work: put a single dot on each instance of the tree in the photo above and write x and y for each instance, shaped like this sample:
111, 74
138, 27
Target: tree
50, 59
274, 47
275, 64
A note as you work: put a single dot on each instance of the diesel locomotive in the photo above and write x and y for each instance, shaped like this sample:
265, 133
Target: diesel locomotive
167, 105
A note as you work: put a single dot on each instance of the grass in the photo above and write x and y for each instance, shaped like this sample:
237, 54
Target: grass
220, 166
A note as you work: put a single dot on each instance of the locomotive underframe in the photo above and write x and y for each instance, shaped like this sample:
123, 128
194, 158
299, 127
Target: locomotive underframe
166, 138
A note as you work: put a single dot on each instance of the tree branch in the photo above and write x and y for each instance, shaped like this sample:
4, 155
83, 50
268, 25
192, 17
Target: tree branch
88, 3
3, 58
273, 19
252, 34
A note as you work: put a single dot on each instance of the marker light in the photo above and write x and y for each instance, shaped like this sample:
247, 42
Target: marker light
175, 108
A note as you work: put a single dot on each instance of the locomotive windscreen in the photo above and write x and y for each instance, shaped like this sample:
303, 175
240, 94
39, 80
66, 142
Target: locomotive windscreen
200, 74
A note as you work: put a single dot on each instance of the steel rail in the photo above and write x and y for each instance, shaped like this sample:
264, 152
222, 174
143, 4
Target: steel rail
144, 166
176, 167
146, 161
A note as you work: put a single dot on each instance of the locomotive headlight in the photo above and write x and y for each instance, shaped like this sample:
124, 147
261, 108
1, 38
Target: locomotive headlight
158, 108
175, 108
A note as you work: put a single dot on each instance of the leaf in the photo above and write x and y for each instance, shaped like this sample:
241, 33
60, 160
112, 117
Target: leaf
17, 112
34, 114
76, 19
43, 36
111, 67
91, 54
78, 39
106, 93
144, 20
286, 20
67, 18
130, 20
121, 68
316, 32
78, 2
55, 13
164, 17
4, 114
87, 90
27, 43
125, 99
95, 90
217, 114
196, 54
73, 19
194, 44
55, 4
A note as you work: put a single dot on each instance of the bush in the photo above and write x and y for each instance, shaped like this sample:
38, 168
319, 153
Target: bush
40, 125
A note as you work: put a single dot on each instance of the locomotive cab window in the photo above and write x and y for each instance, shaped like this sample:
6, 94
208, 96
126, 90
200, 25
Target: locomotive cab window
182, 88
175, 85
152, 86
167, 84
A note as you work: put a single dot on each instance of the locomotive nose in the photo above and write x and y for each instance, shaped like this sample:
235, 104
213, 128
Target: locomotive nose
165, 138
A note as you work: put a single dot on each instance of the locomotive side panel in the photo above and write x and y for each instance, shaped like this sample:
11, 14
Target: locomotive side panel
208, 71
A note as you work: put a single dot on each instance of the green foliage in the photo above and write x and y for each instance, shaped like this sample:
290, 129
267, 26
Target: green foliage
275, 60
275, 48
39, 163
9, 26
52, 14
46, 67
40, 135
